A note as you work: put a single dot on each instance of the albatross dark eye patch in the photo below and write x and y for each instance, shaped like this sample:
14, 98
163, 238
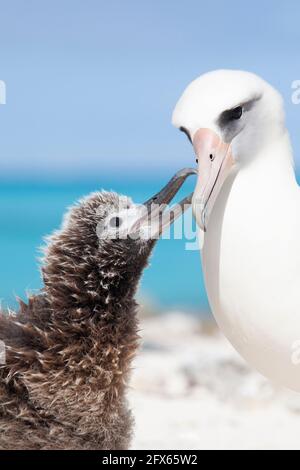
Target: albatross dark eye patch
228, 121
231, 115
186, 132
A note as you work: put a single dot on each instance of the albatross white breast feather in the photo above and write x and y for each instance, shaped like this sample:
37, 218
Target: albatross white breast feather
248, 203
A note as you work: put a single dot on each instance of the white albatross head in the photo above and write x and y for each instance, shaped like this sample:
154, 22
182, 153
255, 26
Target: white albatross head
229, 116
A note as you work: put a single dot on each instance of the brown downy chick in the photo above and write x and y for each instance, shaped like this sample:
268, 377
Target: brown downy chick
69, 350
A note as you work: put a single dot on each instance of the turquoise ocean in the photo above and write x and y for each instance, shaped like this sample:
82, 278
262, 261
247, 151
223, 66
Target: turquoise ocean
30, 210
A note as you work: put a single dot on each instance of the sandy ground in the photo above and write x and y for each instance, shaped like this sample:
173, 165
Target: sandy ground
191, 390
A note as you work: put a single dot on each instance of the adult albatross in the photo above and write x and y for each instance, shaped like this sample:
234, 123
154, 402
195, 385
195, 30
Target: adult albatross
247, 205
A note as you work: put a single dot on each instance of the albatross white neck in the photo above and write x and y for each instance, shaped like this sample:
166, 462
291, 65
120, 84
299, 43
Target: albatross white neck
251, 259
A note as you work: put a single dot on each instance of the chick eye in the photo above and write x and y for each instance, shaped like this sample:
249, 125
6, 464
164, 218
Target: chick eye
234, 114
115, 222
186, 132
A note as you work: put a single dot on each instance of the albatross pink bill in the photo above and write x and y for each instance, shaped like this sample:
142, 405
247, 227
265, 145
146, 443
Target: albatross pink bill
215, 162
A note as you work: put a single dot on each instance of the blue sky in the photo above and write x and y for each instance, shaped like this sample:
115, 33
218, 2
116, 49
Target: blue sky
91, 84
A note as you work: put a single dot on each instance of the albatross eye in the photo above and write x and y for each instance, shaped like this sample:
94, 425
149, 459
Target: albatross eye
234, 114
115, 222
230, 116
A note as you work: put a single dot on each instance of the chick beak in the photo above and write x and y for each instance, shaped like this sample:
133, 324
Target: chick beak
156, 216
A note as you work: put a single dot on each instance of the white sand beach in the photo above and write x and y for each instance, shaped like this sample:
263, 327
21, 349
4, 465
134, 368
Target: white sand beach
191, 390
